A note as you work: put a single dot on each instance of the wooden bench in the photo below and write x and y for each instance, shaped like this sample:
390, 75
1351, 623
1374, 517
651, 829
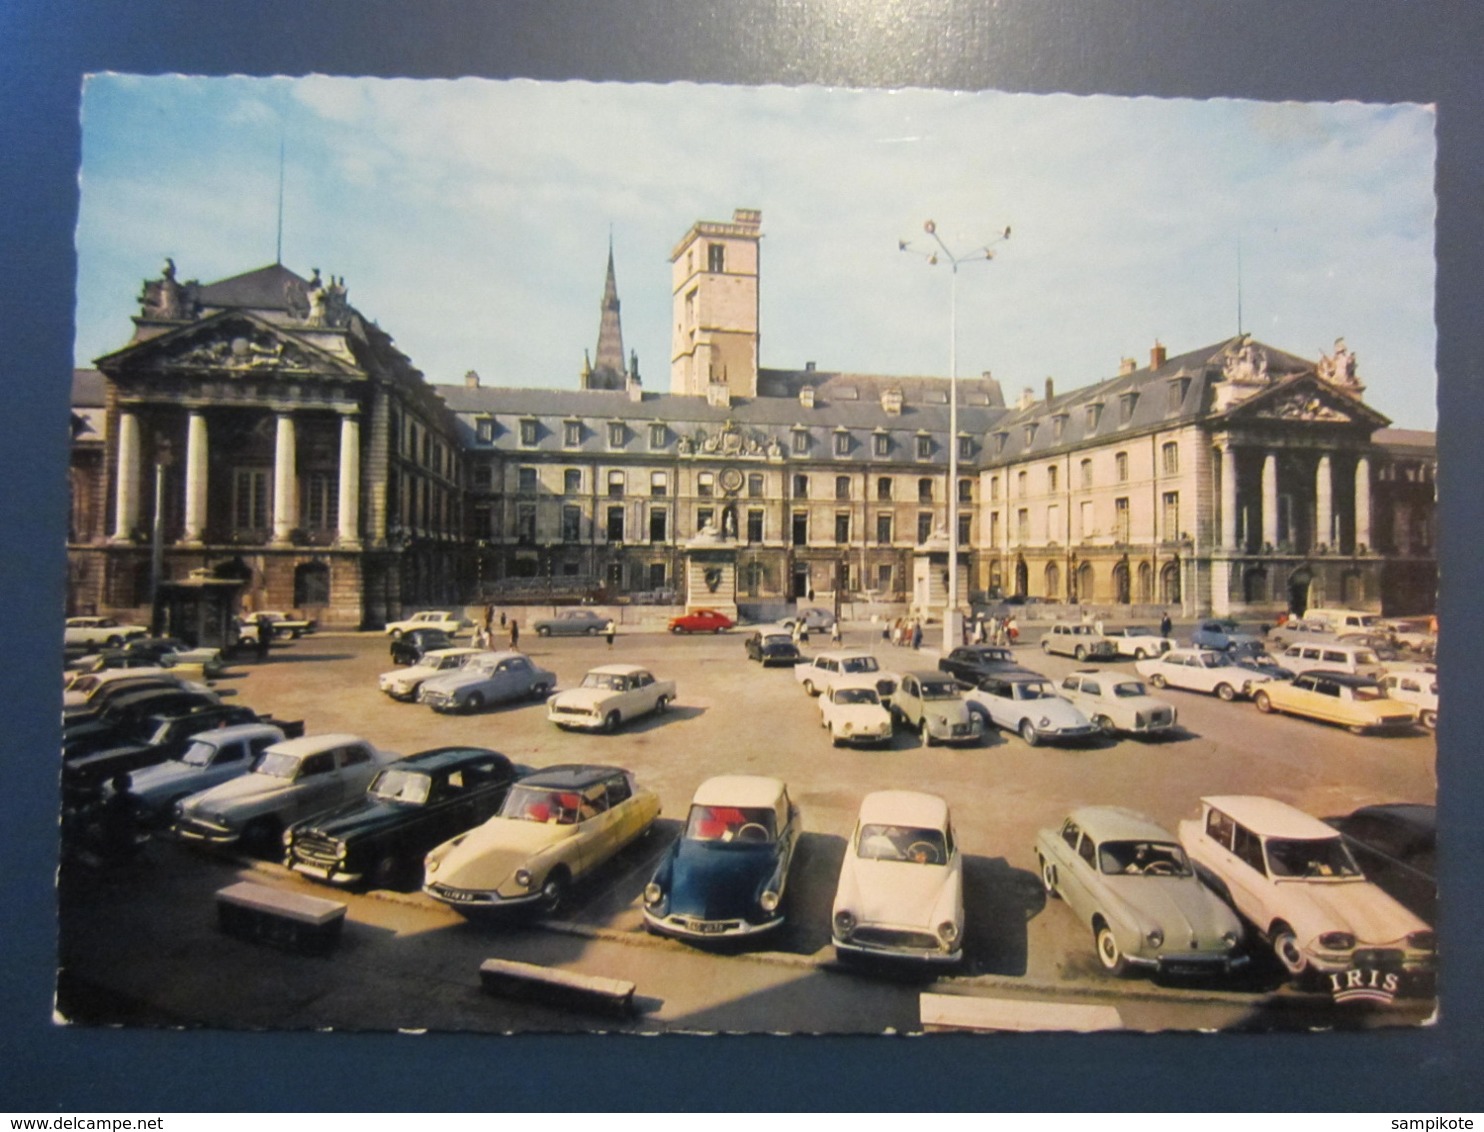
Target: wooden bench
290, 920
964, 1012
548, 985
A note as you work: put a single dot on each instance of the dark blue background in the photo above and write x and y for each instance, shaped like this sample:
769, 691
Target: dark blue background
1266, 49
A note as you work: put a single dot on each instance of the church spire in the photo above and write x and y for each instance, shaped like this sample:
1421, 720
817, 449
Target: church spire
608, 361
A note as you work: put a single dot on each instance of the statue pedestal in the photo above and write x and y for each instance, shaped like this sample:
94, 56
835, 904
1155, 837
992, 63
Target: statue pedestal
711, 575
930, 582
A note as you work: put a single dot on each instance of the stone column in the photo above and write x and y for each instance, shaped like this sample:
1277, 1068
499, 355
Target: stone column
1228, 496
1270, 499
1324, 505
285, 481
348, 534
196, 477
126, 481
1362, 504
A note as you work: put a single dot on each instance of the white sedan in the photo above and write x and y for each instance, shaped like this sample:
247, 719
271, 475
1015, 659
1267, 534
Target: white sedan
445, 619
1027, 703
901, 883
852, 712
404, 683
1201, 670
609, 697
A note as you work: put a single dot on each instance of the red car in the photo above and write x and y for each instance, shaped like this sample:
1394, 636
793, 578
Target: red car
701, 621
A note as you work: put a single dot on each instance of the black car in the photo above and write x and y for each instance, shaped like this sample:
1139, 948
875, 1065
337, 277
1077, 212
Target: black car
410, 807
124, 714
1396, 847
971, 663
772, 646
410, 647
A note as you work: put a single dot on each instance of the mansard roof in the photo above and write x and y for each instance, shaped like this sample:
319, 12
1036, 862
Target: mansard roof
265, 288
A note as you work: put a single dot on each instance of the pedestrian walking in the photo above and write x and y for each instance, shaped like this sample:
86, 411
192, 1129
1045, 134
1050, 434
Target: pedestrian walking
489, 622
265, 635
514, 633
917, 634
608, 631
502, 619
1164, 624
1012, 630
835, 632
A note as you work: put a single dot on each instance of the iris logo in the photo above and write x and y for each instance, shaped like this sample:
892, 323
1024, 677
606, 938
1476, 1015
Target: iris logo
1367, 984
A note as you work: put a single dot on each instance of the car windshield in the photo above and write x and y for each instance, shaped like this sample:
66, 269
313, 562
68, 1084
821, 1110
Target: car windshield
401, 786
276, 764
609, 680
1042, 691
939, 690
742, 824
1143, 858
1128, 689
856, 696
1366, 692
1216, 660
1317, 858
910, 843
198, 754
859, 664
778, 639
546, 804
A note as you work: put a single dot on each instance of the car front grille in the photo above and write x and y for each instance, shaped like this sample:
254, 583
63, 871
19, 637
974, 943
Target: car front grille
316, 849
562, 709
896, 939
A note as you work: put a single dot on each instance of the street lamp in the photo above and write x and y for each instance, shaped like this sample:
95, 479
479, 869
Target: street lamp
952, 624
164, 458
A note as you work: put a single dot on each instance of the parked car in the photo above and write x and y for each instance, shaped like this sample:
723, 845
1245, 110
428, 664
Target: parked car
819, 674
1344, 621
815, 619
443, 619
1333, 656
410, 647
1293, 879
491, 678
1416, 633
772, 646
284, 624
1300, 629
1137, 641
1117, 704
571, 623
1420, 689
701, 621
97, 632
852, 712
1261, 663
87, 693
290, 781
121, 716
409, 808
1129, 881
157, 652
609, 697
932, 704
212, 757
727, 875
1225, 636
1201, 670
971, 663
143, 742
1354, 702
900, 893
555, 826
1027, 704
404, 683
1395, 844
1080, 641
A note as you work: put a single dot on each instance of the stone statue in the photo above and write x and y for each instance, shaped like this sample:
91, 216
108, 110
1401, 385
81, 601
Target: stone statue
337, 308
162, 297
315, 292
1339, 369
1245, 365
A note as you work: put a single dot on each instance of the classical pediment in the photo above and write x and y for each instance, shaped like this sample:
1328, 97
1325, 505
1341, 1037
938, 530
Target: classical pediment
1308, 399
233, 344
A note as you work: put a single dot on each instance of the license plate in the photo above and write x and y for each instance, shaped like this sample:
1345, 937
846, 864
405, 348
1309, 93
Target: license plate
707, 927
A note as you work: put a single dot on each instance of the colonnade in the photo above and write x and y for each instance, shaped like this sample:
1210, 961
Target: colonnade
1326, 528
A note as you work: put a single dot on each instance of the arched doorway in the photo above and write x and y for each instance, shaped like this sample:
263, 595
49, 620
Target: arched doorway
1022, 578
1169, 583
1084, 582
1351, 589
1146, 583
1053, 581
1298, 590
1121, 583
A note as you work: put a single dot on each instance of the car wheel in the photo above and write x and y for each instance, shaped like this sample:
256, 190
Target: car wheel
1080, 653
662, 705
1105, 725
1429, 719
540, 691
1226, 692
263, 837
834, 739
1028, 733
387, 871
543, 631
611, 721
1048, 879
675, 629
1140, 654
115, 642
1158, 681
1046, 647
592, 631
554, 892
1264, 704
475, 701
809, 688
1110, 955
1286, 948
926, 733
396, 634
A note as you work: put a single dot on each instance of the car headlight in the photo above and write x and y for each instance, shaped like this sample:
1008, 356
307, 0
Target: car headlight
768, 901
523, 877
1423, 941
844, 923
653, 893
1155, 937
849, 729
1337, 941
1229, 938
1044, 722
948, 932
430, 864
288, 838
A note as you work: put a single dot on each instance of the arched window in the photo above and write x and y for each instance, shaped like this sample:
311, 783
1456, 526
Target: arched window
1085, 579
1169, 583
1053, 581
1146, 583
1121, 583
1255, 585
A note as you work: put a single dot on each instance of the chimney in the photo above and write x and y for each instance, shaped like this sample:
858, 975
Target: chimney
993, 391
1126, 366
891, 402
806, 396
633, 386
808, 367
1050, 393
471, 379
1027, 399
1157, 355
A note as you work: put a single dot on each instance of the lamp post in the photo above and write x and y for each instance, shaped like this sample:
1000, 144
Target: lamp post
952, 617
164, 457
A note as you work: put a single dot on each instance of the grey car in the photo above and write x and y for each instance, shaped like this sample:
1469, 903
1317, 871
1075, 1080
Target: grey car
490, 678
571, 623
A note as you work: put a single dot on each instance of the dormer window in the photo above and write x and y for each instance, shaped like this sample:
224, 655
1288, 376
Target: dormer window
571, 433
617, 434
484, 430
529, 432
880, 444
1126, 403
965, 447
1000, 440
1058, 426
1178, 389
801, 441
842, 442
924, 446
658, 435
1094, 416
1030, 435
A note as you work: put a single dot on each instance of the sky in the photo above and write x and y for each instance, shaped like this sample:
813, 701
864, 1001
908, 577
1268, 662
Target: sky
471, 220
